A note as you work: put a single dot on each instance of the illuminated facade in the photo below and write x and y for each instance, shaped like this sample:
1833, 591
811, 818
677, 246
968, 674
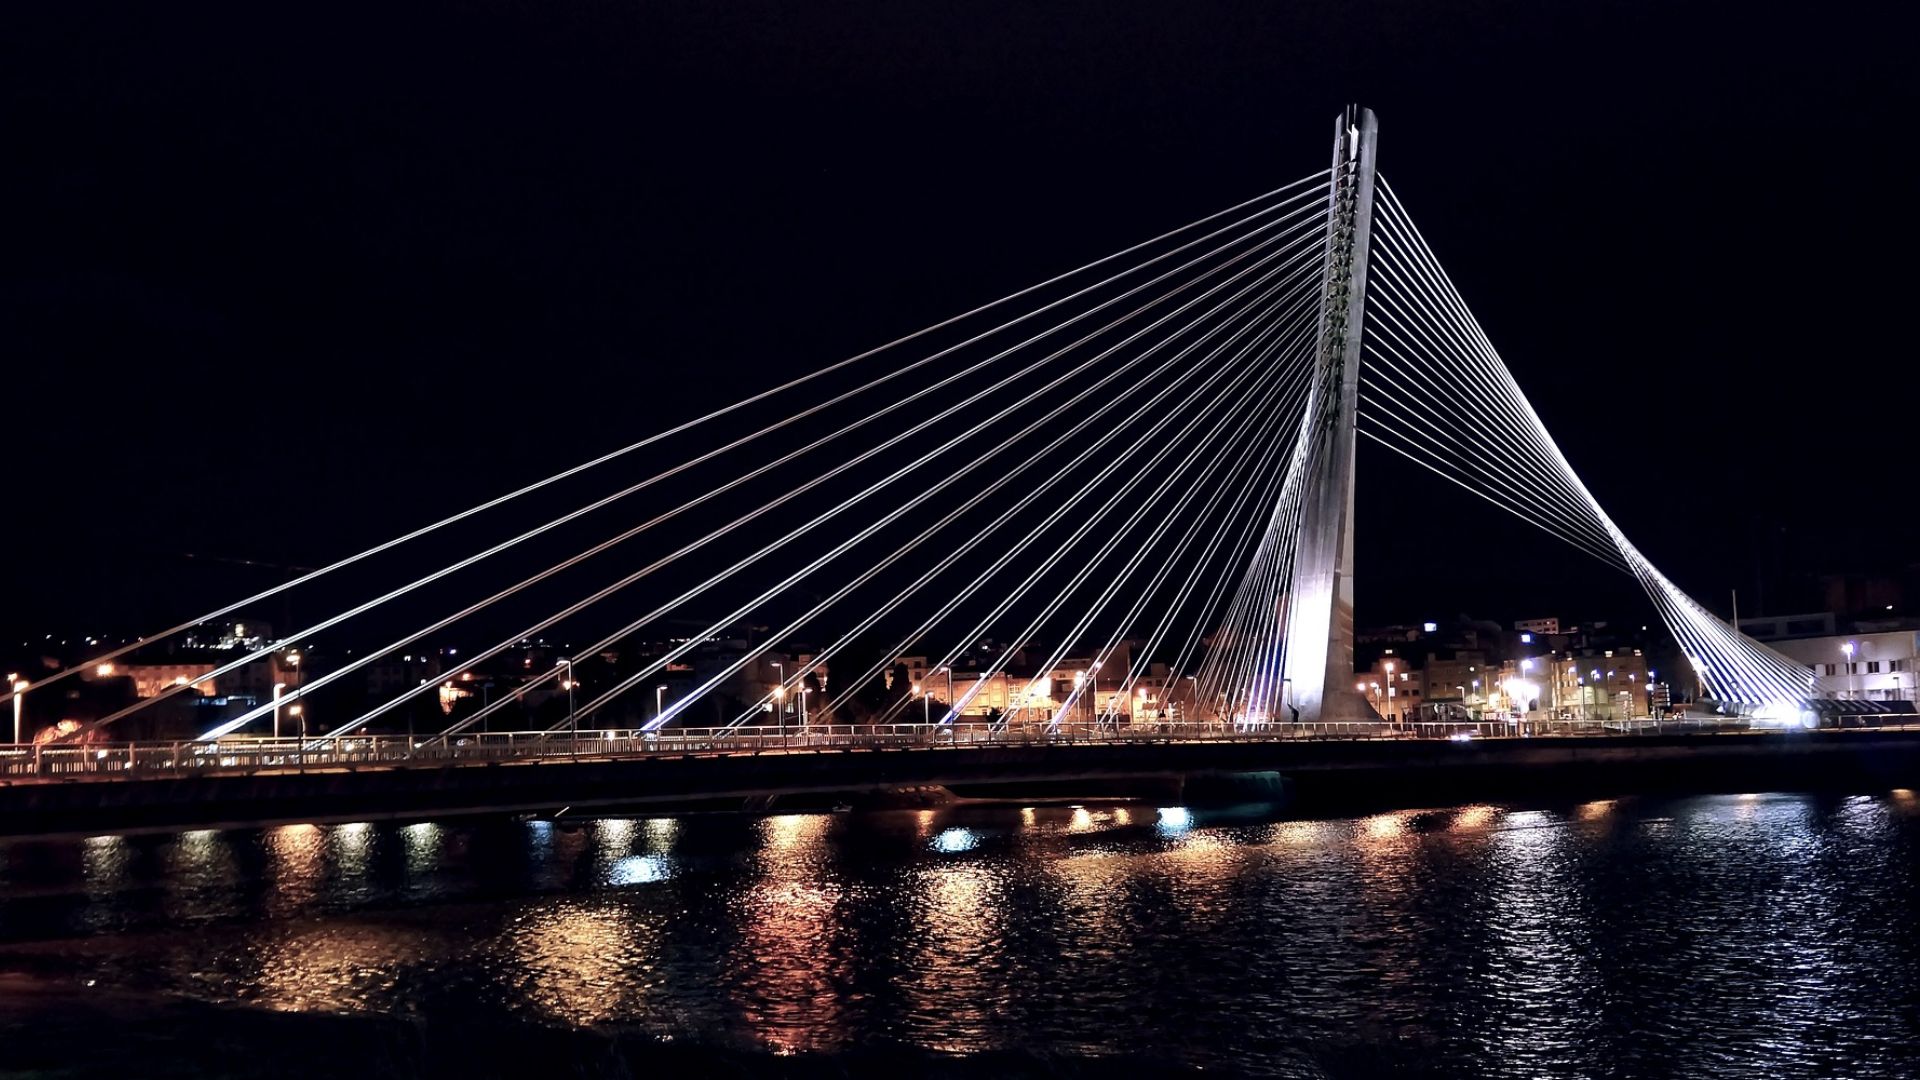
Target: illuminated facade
1880, 666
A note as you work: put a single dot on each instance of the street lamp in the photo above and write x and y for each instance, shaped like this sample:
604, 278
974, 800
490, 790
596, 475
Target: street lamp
573, 718
277, 687
299, 713
804, 691
1848, 649
926, 706
780, 708
658, 706
19, 699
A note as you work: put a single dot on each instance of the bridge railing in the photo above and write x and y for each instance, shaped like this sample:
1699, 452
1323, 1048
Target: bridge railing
252, 754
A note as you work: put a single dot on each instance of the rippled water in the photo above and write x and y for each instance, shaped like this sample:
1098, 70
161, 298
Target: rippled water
1705, 937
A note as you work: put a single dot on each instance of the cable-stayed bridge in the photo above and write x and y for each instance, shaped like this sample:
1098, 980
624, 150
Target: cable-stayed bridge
1150, 456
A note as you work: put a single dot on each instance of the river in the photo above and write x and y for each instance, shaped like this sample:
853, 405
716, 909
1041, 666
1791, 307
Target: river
1713, 936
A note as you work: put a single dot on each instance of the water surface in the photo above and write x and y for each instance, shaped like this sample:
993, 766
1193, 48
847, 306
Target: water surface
1723, 936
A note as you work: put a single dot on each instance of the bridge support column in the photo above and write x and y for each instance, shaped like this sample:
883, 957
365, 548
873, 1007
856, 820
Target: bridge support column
1319, 642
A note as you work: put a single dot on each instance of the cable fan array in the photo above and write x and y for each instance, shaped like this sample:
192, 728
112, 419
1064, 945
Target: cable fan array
1109, 465
1088, 463
1434, 390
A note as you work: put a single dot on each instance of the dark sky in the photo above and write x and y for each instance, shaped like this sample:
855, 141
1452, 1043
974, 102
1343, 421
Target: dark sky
281, 280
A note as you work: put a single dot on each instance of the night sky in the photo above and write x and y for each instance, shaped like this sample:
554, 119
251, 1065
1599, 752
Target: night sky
280, 281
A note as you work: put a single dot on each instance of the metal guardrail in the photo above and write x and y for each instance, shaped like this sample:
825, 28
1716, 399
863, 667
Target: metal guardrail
237, 754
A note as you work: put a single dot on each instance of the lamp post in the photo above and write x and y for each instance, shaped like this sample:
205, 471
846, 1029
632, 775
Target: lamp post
780, 709
804, 691
1390, 712
19, 699
659, 706
277, 687
780, 692
925, 708
1848, 649
573, 718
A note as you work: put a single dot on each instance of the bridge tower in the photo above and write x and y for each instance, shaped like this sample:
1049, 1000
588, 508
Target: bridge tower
1319, 642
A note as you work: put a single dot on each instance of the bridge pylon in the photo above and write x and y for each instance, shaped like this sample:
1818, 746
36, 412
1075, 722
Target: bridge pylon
1319, 667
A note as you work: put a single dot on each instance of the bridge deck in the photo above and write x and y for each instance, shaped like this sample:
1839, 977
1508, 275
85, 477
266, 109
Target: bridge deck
1404, 771
245, 755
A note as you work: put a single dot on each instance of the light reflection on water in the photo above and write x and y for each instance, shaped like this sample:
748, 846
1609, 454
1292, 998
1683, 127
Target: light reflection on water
1717, 936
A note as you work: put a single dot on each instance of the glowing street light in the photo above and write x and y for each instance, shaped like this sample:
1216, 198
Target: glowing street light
573, 718
277, 687
19, 699
1852, 689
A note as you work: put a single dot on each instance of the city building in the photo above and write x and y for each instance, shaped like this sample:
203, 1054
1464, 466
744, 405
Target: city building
1083, 686
153, 678
1582, 684
1873, 665
1396, 687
